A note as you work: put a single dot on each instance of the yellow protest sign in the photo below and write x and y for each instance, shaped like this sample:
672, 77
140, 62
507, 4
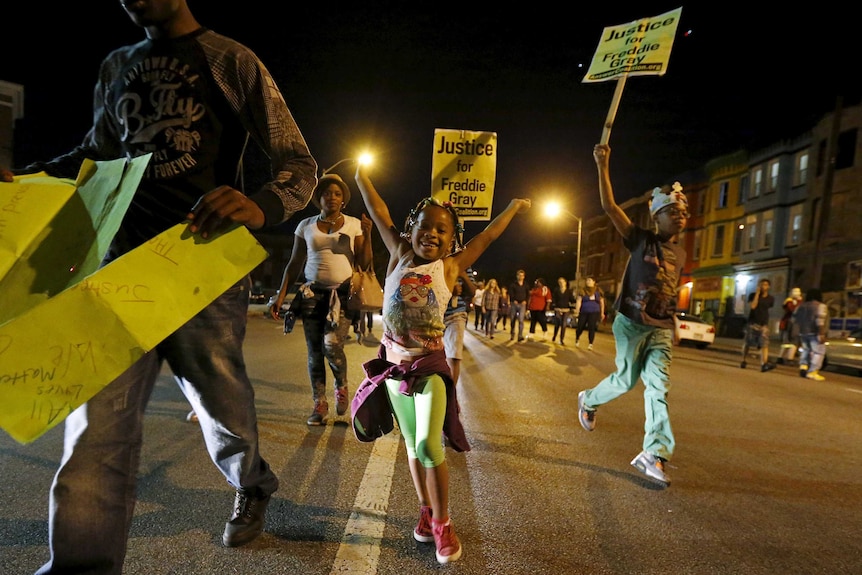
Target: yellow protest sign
60, 353
54, 232
637, 48
463, 171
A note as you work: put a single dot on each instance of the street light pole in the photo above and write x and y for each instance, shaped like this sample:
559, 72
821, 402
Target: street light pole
578, 258
552, 209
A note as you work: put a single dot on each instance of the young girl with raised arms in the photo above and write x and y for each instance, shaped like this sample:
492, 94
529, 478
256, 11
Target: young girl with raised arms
411, 374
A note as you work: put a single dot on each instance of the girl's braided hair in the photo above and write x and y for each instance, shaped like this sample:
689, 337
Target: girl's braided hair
410, 221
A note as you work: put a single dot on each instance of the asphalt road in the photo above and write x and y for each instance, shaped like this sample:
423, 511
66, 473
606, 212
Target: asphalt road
766, 475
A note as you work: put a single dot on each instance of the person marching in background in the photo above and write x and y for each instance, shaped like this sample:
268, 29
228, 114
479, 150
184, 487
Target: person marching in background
326, 248
789, 328
590, 310
812, 318
503, 312
455, 319
757, 332
562, 302
490, 307
539, 301
519, 293
479, 317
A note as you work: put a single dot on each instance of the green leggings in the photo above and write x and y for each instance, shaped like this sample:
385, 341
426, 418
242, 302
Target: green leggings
643, 352
420, 418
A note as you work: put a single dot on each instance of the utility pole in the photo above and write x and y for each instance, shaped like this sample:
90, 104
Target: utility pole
826, 198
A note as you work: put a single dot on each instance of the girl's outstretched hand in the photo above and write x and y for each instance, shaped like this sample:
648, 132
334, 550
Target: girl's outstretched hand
361, 170
522, 204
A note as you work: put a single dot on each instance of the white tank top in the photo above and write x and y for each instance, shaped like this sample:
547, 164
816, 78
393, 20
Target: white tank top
414, 301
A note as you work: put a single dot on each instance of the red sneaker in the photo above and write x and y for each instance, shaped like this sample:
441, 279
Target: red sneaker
422, 532
341, 402
448, 545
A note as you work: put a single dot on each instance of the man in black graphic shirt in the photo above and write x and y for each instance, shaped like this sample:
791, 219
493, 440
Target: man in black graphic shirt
194, 99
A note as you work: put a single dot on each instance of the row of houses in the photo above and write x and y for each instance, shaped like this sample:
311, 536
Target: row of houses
790, 212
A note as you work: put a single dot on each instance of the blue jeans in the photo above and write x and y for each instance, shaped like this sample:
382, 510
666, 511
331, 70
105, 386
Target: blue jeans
643, 352
517, 310
813, 352
93, 495
490, 321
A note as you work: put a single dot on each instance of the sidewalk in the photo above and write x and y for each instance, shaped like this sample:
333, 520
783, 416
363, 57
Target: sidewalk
734, 345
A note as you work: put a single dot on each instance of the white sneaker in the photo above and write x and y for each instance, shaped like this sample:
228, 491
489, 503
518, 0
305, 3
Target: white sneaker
590, 347
652, 467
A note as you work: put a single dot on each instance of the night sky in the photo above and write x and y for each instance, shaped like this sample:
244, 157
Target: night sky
382, 78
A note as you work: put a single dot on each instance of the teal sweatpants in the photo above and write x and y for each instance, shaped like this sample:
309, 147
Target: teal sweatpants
643, 352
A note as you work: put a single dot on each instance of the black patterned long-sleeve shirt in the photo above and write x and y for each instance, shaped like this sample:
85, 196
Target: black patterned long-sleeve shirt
194, 102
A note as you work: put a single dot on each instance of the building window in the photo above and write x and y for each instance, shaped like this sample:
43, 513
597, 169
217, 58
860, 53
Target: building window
768, 221
846, 150
750, 233
743, 188
800, 175
723, 191
697, 237
773, 177
794, 225
738, 235
757, 182
718, 243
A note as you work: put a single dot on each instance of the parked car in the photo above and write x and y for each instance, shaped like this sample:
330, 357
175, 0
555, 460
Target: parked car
691, 328
845, 351
257, 295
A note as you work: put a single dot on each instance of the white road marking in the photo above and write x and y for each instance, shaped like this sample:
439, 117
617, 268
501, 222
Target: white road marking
360, 546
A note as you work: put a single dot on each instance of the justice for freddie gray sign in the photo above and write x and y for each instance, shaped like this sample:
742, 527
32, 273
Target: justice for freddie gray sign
463, 170
638, 48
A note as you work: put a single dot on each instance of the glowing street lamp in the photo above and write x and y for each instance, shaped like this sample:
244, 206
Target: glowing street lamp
553, 210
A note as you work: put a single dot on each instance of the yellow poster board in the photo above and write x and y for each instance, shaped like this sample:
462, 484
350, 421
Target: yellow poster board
60, 353
464, 170
54, 232
637, 48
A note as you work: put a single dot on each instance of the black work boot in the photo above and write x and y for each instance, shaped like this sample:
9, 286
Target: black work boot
246, 523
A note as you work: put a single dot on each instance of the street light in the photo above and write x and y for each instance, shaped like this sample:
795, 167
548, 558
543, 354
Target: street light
553, 210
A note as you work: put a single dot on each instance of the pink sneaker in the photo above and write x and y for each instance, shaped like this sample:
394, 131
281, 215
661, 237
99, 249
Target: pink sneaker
422, 532
448, 545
